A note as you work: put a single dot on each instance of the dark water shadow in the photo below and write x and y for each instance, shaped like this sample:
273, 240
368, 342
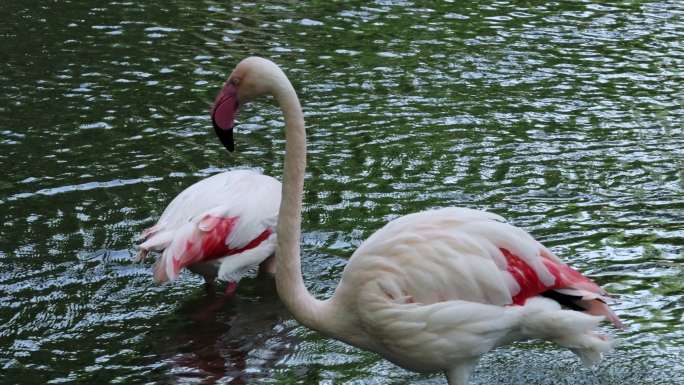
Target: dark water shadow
210, 338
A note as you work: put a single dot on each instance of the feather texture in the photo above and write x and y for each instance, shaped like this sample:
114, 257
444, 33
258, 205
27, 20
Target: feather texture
218, 227
430, 291
439, 287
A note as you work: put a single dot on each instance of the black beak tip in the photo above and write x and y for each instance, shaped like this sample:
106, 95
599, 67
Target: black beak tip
226, 137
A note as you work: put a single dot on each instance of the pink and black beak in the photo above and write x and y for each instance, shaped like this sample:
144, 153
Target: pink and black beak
223, 115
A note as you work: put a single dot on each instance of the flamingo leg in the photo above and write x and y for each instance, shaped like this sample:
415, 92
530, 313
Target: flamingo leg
209, 285
268, 266
460, 373
231, 288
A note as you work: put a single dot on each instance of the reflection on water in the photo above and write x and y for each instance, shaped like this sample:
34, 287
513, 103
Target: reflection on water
214, 340
563, 117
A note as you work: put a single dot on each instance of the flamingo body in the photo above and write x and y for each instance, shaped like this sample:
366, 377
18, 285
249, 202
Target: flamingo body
430, 291
219, 227
441, 287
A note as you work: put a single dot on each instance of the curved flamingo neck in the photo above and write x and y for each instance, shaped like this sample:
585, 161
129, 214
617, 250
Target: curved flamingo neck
289, 282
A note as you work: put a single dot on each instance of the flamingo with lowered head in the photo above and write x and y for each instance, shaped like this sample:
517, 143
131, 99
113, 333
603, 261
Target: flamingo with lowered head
430, 291
219, 227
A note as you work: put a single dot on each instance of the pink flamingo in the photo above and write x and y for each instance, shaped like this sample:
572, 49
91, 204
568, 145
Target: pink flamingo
430, 291
220, 227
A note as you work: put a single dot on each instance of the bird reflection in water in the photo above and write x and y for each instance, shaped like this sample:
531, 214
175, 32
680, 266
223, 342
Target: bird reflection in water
209, 339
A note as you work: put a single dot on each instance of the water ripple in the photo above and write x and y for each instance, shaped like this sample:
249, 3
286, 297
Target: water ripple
561, 116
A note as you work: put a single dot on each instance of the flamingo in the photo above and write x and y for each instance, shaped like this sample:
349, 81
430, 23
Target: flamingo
431, 291
220, 227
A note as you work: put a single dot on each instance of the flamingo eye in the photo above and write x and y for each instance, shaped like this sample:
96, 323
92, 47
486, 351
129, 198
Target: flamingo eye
235, 81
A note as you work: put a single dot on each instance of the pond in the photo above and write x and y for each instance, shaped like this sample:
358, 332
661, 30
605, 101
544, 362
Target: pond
563, 117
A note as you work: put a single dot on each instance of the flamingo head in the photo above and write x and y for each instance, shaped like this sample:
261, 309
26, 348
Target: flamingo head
251, 78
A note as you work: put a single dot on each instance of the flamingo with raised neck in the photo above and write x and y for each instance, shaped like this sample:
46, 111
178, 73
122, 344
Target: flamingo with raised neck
430, 291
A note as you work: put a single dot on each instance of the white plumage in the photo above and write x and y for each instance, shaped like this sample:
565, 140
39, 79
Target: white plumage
218, 227
430, 291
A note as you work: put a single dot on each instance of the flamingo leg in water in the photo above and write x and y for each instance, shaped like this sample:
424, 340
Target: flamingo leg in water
210, 285
208, 312
268, 266
231, 288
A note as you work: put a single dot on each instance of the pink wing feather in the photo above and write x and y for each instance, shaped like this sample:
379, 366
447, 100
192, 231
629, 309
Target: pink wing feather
469, 255
224, 215
566, 280
205, 242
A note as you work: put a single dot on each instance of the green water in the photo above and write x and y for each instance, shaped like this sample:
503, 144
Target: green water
565, 118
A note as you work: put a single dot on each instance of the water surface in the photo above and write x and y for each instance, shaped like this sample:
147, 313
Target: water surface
564, 118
